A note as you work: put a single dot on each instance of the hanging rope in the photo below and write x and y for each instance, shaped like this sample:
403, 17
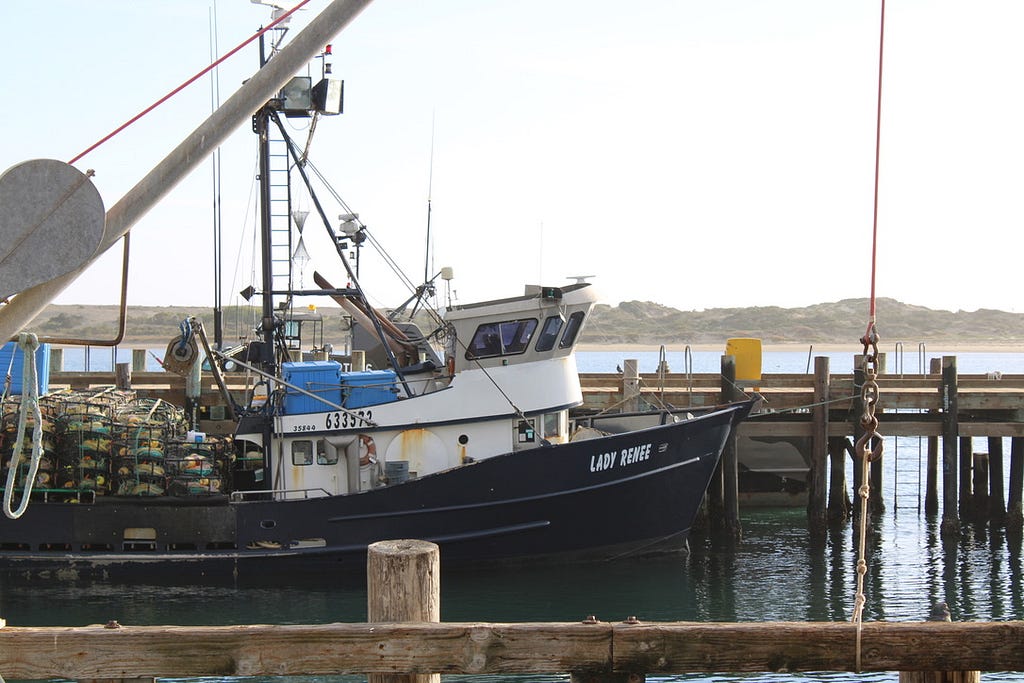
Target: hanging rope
869, 446
28, 343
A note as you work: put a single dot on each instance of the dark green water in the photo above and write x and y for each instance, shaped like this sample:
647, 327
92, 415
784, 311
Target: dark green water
774, 574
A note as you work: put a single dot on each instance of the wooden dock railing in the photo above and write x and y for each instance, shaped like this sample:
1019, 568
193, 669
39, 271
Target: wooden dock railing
589, 649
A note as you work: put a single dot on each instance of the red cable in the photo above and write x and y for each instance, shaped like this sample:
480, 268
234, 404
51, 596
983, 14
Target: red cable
191, 80
878, 140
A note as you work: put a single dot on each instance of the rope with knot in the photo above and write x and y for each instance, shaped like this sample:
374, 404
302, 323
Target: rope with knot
29, 344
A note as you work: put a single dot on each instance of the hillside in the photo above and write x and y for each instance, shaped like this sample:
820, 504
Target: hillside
637, 322
631, 322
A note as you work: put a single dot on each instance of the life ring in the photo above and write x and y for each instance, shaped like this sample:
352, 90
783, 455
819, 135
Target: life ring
370, 454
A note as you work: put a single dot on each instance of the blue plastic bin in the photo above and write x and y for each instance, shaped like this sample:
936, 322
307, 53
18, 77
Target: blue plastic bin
369, 388
320, 377
18, 366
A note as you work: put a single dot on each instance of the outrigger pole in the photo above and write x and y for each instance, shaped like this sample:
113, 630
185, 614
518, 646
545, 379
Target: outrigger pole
239, 108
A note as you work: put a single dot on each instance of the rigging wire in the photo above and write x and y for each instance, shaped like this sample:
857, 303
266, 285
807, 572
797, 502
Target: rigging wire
283, 18
869, 445
389, 261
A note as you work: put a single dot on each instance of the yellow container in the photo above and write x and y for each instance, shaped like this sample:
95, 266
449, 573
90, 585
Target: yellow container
747, 352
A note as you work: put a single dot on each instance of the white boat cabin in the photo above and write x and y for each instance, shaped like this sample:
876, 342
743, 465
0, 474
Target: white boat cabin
507, 382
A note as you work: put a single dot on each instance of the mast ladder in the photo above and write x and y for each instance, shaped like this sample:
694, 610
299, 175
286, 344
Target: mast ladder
281, 244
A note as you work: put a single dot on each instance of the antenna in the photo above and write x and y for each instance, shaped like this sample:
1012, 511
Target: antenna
279, 9
430, 192
218, 305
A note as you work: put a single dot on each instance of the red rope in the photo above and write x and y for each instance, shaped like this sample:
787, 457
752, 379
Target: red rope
189, 82
878, 143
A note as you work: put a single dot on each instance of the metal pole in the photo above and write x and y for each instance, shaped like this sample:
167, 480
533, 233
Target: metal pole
239, 108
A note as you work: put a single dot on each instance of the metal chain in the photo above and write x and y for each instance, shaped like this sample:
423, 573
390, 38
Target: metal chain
868, 449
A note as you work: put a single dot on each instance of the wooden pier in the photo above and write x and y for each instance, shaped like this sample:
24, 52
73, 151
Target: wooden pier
403, 641
942, 406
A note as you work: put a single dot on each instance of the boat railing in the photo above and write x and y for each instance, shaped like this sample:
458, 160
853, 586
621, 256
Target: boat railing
277, 494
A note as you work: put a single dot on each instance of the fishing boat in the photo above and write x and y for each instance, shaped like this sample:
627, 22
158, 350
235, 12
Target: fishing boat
459, 435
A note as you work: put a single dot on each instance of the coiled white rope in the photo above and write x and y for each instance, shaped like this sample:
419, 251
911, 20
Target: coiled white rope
27, 342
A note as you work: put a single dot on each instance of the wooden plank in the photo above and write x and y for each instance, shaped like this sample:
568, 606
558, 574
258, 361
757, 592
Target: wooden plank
484, 648
292, 650
792, 646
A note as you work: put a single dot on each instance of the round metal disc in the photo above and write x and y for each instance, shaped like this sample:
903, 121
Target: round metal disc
51, 223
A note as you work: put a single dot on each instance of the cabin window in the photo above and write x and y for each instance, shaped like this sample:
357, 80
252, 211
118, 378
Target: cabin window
293, 339
302, 452
572, 328
549, 333
326, 454
552, 422
501, 339
525, 432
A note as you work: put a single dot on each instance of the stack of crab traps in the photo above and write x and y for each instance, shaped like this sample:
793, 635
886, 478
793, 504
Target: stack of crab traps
111, 443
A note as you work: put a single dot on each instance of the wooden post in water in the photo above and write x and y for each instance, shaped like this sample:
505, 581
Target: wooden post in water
978, 509
1014, 505
931, 495
403, 583
138, 360
816, 513
996, 510
630, 386
714, 504
838, 501
966, 476
730, 460
950, 428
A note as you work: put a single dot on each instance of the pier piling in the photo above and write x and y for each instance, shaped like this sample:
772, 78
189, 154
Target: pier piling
403, 583
996, 508
838, 499
730, 461
816, 512
979, 480
931, 496
1014, 512
966, 476
630, 386
950, 431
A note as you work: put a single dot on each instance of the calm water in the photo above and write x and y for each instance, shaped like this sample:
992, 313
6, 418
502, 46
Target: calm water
775, 573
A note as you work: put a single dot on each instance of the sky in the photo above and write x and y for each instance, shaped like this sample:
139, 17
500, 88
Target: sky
691, 153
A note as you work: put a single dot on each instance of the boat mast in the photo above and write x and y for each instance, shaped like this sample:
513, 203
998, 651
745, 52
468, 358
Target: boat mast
261, 128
